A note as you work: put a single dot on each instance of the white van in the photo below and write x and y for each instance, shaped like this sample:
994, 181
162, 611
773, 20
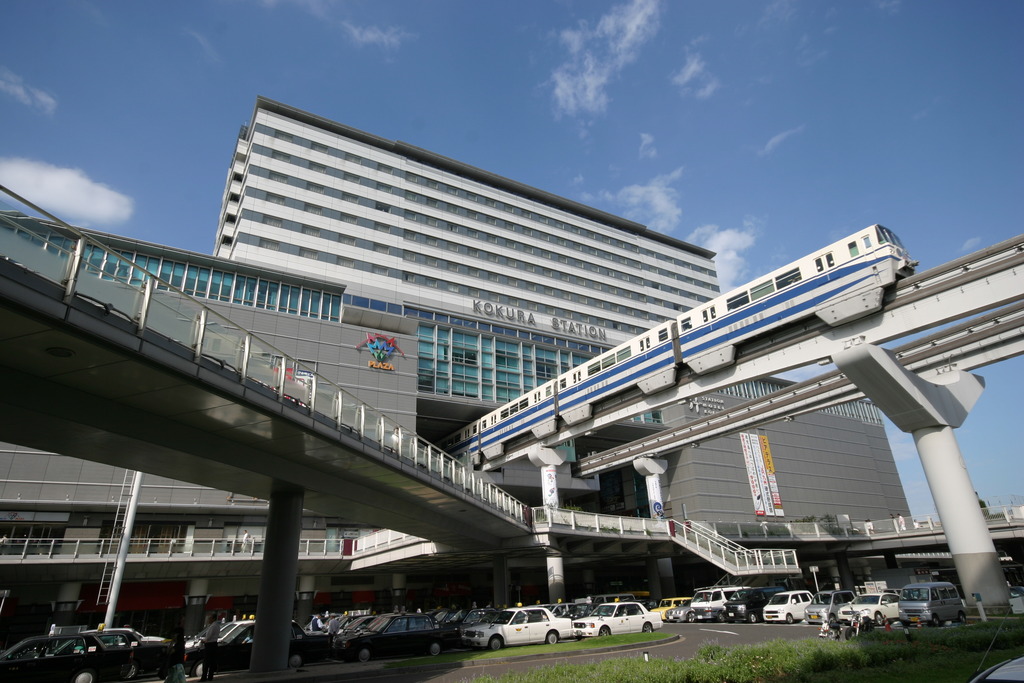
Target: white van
932, 603
788, 606
708, 604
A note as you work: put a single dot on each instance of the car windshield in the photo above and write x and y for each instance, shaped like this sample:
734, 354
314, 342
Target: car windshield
822, 599
779, 599
911, 594
603, 611
866, 600
504, 616
702, 596
742, 594
378, 624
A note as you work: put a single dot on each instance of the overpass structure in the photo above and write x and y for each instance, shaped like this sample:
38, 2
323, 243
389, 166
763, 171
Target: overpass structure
125, 370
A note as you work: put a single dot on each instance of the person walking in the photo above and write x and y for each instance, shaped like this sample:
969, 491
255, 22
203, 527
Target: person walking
210, 644
176, 658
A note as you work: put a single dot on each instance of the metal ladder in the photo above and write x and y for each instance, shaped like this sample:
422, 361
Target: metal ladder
103, 596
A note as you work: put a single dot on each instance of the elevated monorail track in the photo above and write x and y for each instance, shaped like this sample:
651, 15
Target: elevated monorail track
979, 283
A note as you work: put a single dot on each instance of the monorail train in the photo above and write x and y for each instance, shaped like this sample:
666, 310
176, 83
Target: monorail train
840, 283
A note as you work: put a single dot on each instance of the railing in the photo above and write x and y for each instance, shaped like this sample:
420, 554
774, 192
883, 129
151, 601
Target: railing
383, 540
590, 521
704, 541
87, 268
157, 548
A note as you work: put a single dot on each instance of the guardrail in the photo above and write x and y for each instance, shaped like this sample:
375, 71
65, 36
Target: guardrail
157, 548
86, 268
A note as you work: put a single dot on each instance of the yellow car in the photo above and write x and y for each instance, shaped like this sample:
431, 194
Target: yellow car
668, 603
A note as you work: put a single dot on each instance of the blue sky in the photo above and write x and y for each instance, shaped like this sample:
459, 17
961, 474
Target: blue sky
760, 130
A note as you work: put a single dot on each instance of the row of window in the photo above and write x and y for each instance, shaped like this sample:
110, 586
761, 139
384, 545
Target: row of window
671, 273
467, 195
863, 410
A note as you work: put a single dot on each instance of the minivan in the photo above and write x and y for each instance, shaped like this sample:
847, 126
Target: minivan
708, 604
788, 606
747, 604
824, 608
932, 603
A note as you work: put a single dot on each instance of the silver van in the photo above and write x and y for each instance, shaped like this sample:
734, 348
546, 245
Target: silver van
931, 603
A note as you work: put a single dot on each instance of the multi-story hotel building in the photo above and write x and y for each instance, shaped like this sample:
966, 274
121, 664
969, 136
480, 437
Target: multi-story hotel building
329, 238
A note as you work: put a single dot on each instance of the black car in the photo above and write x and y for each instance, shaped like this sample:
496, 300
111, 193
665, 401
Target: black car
396, 634
234, 649
149, 655
78, 658
748, 604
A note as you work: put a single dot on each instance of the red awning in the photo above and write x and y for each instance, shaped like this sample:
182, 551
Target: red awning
137, 596
363, 596
322, 598
220, 602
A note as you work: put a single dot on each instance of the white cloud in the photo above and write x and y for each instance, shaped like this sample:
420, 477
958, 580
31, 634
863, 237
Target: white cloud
15, 86
209, 52
729, 244
694, 78
970, 245
656, 204
647, 148
777, 140
598, 55
390, 37
68, 193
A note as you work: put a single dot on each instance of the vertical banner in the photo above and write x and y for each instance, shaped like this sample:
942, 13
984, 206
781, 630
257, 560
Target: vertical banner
755, 486
769, 466
654, 496
762, 474
549, 476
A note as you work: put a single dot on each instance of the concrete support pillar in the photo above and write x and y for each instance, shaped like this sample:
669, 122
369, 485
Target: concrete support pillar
304, 599
66, 603
556, 579
277, 583
846, 580
398, 585
548, 460
890, 560
652, 469
589, 581
667, 578
930, 412
501, 581
195, 605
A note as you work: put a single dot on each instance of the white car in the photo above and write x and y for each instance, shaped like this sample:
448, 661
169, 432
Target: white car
879, 607
708, 604
788, 606
518, 626
616, 617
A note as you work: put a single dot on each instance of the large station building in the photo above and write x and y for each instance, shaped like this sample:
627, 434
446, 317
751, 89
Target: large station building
330, 238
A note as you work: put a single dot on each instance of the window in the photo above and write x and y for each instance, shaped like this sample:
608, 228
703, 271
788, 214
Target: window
788, 278
308, 253
313, 187
275, 198
270, 244
738, 301
314, 209
281, 156
854, 251
278, 177
319, 168
310, 230
317, 147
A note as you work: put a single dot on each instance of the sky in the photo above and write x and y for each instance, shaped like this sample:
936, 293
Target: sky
761, 129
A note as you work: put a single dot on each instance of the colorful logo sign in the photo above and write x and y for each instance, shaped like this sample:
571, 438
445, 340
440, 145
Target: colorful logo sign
382, 347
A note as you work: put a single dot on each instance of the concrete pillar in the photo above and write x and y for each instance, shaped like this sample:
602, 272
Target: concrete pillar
845, 573
398, 592
652, 469
930, 412
304, 599
556, 579
501, 579
195, 605
667, 578
66, 604
277, 583
548, 460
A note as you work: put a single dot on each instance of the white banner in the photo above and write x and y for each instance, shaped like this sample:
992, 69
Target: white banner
755, 486
769, 466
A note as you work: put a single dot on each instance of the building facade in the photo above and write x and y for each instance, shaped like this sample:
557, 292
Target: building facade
434, 291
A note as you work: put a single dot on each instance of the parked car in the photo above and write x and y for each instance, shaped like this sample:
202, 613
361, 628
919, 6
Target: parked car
708, 604
932, 603
467, 617
880, 608
680, 612
788, 606
394, 634
519, 626
234, 648
747, 604
77, 657
616, 618
149, 653
1009, 671
825, 606
668, 603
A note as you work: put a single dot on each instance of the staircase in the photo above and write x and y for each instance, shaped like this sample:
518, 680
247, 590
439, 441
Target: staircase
730, 556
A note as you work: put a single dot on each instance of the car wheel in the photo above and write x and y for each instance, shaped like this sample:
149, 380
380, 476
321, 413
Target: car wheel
720, 617
752, 617
434, 649
364, 654
789, 618
961, 618
495, 643
551, 638
879, 619
197, 670
295, 661
832, 619
131, 670
690, 618
605, 631
85, 676
936, 621
648, 627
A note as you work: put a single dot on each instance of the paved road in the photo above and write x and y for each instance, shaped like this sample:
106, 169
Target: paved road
683, 642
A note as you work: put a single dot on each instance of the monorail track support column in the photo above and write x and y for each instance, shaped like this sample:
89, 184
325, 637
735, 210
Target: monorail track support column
660, 576
930, 412
548, 460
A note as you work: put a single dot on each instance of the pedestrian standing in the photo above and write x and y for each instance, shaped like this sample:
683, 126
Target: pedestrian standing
210, 644
902, 522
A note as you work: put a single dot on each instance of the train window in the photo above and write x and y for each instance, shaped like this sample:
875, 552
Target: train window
685, 325
821, 264
663, 334
523, 404
561, 384
762, 290
738, 301
593, 369
548, 390
788, 278
866, 239
709, 314
852, 246
504, 413
625, 353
